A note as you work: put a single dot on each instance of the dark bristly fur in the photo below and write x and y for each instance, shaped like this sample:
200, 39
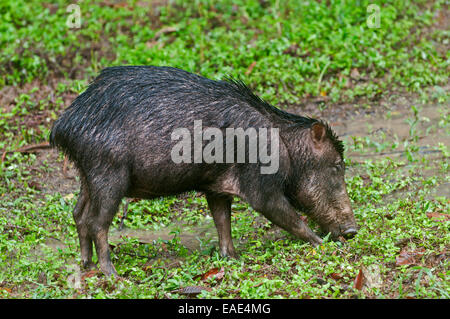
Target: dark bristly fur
303, 122
118, 134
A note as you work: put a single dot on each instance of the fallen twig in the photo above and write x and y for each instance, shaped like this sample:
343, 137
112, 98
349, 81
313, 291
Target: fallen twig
28, 149
396, 152
164, 31
64, 170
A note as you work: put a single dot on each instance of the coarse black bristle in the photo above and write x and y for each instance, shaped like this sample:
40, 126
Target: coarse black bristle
266, 108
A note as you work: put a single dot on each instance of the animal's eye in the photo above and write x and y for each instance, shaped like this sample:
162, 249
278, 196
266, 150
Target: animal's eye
338, 166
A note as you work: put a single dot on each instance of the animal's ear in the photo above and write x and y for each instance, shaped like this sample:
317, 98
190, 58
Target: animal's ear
318, 132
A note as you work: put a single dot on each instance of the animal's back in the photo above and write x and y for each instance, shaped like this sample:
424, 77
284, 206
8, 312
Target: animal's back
127, 114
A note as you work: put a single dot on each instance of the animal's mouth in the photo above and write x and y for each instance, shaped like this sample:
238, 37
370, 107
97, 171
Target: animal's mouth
337, 231
340, 233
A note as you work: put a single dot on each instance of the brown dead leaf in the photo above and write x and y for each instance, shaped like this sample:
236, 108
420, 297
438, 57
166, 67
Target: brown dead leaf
250, 68
258, 284
90, 273
215, 273
404, 259
336, 276
408, 257
147, 268
359, 280
441, 217
219, 275
6, 289
354, 74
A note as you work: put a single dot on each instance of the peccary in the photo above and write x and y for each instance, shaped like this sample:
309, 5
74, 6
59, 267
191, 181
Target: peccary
146, 132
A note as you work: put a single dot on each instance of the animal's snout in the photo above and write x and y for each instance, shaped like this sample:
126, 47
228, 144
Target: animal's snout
349, 232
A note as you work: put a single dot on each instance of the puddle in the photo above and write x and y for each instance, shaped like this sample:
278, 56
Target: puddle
39, 252
396, 128
192, 237
442, 190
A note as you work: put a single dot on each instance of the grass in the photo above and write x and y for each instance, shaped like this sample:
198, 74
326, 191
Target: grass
272, 263
292, 54
300, 49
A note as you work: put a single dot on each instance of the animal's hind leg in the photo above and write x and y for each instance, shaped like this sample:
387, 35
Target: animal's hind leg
80, 215
105, 204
